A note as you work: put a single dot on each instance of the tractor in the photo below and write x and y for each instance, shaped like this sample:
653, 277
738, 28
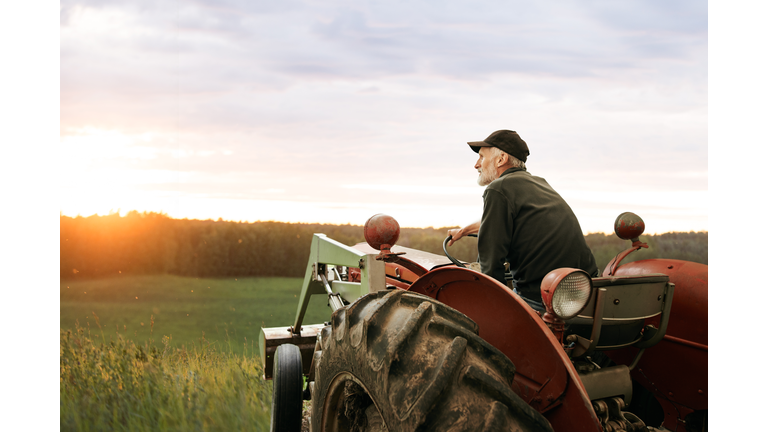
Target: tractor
423, 342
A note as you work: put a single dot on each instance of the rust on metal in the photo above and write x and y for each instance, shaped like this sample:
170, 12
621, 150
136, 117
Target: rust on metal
381, 229
381, 232
628, 226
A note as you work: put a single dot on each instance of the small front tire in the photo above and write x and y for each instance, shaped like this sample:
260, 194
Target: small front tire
287, 382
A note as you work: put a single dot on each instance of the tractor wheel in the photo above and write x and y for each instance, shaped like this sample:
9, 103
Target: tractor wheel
400, 361
287, 381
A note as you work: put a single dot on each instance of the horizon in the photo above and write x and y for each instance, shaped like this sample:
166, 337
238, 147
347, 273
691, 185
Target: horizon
123, 214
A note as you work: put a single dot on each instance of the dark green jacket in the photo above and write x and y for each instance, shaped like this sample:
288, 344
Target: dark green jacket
526, 223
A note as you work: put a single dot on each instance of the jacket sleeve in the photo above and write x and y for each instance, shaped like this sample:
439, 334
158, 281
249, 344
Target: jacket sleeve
495, 236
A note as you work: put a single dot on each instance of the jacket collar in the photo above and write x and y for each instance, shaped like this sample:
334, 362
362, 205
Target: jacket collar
510, 171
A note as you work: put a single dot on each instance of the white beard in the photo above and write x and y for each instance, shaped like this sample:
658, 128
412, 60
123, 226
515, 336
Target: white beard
485, 176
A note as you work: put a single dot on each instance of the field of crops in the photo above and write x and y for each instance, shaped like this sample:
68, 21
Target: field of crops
167, 353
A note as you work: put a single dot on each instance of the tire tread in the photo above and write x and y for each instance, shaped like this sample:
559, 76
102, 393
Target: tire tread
423, 365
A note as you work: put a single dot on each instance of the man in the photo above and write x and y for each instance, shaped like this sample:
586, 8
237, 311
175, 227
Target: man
525, 222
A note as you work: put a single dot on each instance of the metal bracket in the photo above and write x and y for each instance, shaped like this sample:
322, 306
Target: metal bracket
325, 251
663, 320
610, 269
613, 419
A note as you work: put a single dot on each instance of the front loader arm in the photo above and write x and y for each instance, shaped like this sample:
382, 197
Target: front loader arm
323, 252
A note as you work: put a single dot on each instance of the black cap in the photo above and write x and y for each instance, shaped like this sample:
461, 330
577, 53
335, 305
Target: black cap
506, 140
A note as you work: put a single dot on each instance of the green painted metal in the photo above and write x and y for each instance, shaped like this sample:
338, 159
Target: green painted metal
330, 252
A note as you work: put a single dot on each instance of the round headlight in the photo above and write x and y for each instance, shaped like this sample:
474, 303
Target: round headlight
571, 295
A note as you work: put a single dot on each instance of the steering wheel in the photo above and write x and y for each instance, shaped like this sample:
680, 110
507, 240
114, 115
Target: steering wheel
447, 255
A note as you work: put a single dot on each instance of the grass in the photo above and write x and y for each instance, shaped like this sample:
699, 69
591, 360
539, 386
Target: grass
114, 384
170, 353
227, 312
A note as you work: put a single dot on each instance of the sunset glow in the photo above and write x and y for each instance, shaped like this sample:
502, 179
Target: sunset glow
333, 112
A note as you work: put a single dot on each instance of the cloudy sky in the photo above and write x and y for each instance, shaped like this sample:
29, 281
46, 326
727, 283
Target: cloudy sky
332, 111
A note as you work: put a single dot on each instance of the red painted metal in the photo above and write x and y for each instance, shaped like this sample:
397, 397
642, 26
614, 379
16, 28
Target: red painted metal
545, 376
616, 261
548, 286
686, 342
549, 283
675, 370
401, 273
628, 226
381, 232
401, 270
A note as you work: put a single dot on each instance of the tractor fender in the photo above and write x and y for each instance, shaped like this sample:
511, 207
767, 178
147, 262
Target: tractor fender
545, 377
690, 304
676, 369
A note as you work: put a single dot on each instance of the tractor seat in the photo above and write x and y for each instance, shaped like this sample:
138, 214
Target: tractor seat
615, 314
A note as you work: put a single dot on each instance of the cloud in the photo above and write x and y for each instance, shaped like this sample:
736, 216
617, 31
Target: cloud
247, 42
236, 93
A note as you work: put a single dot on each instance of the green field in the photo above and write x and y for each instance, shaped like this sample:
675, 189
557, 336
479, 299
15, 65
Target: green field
228, 312
170, 353
122, 386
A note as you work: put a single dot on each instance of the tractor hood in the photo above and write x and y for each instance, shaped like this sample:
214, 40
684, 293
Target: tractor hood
425, 259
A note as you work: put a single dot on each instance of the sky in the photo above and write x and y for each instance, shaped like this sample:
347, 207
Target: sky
332, 111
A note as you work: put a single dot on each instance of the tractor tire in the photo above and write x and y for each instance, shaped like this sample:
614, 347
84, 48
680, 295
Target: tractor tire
287, 392
400, 361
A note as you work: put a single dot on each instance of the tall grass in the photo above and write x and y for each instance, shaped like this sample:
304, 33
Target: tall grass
116, 385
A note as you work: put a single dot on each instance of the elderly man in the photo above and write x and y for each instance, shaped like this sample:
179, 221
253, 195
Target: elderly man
525, 222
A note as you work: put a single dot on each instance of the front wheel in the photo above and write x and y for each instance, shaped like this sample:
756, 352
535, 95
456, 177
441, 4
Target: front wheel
400, 361
287, 381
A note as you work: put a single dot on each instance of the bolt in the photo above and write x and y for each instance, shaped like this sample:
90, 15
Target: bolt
701, 391
669, 267
658, 298
616, 301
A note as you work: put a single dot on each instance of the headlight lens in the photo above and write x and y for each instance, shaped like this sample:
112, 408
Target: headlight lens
571, 295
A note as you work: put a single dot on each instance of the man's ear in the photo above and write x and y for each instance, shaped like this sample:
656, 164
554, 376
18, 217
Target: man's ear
503, 160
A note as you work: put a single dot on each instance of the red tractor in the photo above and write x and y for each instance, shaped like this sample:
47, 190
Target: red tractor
417, 341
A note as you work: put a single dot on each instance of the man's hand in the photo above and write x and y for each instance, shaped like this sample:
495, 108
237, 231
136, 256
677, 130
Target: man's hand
455, 234
458, 233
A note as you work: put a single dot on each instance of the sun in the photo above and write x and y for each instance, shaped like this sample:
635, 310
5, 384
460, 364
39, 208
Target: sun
104, 170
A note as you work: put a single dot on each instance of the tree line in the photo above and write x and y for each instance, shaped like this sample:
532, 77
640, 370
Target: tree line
153, 243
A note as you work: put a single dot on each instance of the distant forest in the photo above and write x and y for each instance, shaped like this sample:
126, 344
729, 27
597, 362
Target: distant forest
153, 243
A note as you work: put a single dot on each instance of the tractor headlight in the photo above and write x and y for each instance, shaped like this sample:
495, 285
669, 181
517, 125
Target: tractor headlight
566, 291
